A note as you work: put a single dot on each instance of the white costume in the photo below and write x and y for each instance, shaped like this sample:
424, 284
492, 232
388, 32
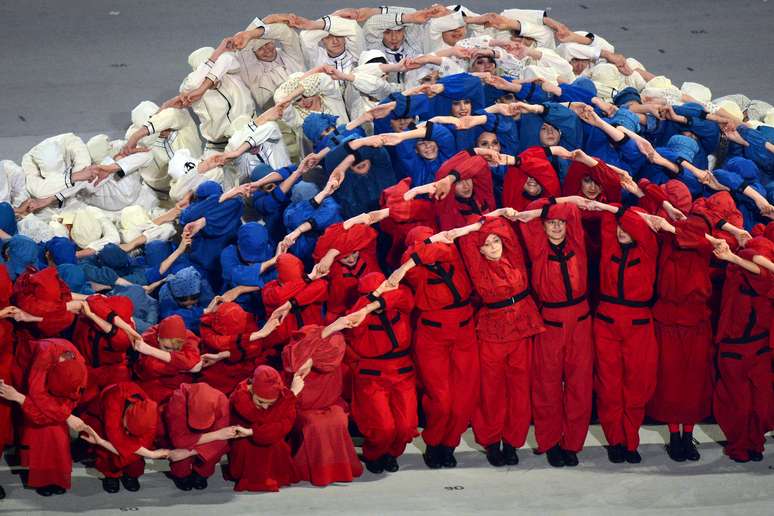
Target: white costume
316, 55
134, 221
49, 166
261, 77
391, 18
183, 135
266, 146
90, 228
184, 175
224, 102
13, 186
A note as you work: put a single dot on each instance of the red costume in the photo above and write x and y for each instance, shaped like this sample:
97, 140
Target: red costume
228, 328
326, 453
194, 410
453, 210
55, 380
505, 325
342, 279
445, 344
384, 400
158, 378
306, 298
43, 294
125, 416
6, 357
743, 394
533, 162
625, 343
563, 355
262, 462
404, 216
105, 353
610, 192
682, 317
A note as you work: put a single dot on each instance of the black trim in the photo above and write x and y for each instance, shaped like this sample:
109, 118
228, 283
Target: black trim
556, 324
509, 301
564, 304
428, 322
640, 322
370, 372
745, 339
604, 318
404, 370
730, 354
626, 302
763, 350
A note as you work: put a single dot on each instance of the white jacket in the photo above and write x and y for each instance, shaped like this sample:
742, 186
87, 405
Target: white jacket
48, 167
13, 185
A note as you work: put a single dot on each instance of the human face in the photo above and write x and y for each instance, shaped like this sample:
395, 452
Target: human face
532, 187
267, 53
393, 39
556, 230
460, 108
622, 236
488, 140
483, 64
313, 103
451, 37
527, 42
362, 168
334, 45
188, 301
170, 344
350, 260
430, 78
549, 135
492, 248
589, 188
261, 402
579, 65
427, 149
400, 124
464, 188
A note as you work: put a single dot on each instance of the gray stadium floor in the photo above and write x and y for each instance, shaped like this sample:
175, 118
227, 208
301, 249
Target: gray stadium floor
82, 65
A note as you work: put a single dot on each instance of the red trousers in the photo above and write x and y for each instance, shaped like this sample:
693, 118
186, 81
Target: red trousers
626, 357
684, 383
447, 359
562, 380
384, 405
204, 467
743, 395
503, 412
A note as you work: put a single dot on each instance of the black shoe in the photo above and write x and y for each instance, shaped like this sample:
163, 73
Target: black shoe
2, 493
676, 448
44, 491
111, 485
447, 459
494, 455
555, 456
570, 458
632, 457
55, 489
130, 483
615, 453
390, 464
510, 455
184, 483
374, 466
755, 456
433, 457
198, 482
689, 447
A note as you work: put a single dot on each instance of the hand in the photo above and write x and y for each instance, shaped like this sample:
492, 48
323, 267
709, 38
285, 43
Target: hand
177, 455
673, 212
443, 187
138, 344
722, 251
227, 432
86, 174
300, 23
9, 392
645, 147
309, 162
382, 110
161, 453
499, 22
297, 384
357, 219
654, 222
443, 237
429, 188
210, 359
196, 368
742, 237
461, 52
349, 13
274, 113
409, 63
489, 155
20, 315
211, 162
176, 102
560, 152
243, 432
240, 40
386, 286
187, 98
391, 139
354, 319
277, 18
581, 157
563, 34
371, 141
194, 227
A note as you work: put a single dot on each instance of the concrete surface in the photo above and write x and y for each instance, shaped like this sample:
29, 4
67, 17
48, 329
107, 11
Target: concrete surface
82, 65
714, 485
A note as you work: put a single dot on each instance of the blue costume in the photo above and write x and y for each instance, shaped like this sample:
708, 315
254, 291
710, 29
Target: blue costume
241, 263
188, 283
304, 208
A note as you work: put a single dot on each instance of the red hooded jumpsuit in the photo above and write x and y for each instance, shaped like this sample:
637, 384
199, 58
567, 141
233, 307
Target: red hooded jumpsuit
563, 355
